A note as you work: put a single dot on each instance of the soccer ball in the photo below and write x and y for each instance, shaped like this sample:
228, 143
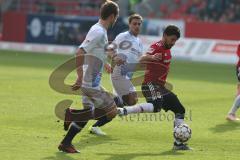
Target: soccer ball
182, 133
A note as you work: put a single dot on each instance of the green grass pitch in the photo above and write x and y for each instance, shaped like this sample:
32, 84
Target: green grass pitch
30, 131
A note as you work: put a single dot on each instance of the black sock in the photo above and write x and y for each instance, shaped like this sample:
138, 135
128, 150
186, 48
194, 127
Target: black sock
73, 131
102, 121
118, 102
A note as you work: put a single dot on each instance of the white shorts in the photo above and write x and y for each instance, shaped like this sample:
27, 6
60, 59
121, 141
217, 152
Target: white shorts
122, 84
87, 102
97, 98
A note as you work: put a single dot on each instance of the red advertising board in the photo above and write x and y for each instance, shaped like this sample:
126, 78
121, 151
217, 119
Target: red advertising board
225, 48
14, 26
226, 31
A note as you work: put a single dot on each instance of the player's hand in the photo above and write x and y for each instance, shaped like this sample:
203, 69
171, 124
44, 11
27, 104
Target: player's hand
157, 57
108, 68
77, 85
118, 60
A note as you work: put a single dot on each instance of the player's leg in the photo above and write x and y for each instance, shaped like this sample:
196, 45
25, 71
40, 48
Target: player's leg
105, 106
66, 143
75, 127
129, 99
162, 98
232, 113
126, 95
125, 100
125, 92
153, 103
88, 106
236, 104
158, 97
94, 129
123, 88
106, 112
171, 102
101, 121
100, 99
138, 108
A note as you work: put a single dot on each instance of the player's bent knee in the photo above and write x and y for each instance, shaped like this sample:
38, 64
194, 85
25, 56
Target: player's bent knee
178, 109
111, 113
132, 102
180, 113
175, 105
130, 99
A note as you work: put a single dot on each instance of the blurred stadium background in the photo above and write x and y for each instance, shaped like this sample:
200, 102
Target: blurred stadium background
204, 24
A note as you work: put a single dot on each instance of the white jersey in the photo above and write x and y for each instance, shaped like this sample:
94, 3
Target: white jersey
129, 45
129, 48
94, 46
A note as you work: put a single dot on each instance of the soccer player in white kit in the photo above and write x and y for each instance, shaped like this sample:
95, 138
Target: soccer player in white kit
129, 48
92, 53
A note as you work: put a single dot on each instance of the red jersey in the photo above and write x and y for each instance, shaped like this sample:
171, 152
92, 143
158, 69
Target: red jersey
238, 53
157, 71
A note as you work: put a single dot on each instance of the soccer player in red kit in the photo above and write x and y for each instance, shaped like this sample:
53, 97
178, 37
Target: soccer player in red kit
232, 113
157, 60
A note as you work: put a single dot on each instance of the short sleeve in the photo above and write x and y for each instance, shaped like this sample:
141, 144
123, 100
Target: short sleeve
116, 42
91, 40
119, 38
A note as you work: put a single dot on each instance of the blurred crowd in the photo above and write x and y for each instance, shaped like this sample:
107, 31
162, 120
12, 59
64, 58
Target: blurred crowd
223, 11
190, 10
57, 7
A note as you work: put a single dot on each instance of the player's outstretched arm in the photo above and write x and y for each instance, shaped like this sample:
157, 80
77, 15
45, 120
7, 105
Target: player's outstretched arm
146, 58
79, 65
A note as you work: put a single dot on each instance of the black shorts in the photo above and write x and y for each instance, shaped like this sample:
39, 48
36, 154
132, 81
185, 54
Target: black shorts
161, 98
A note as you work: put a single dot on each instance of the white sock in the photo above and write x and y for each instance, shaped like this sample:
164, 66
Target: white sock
178, 121
140, 108
178, 142
235, 106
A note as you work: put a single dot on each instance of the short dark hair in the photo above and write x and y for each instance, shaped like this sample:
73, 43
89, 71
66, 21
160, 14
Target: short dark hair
134, 16
172, 30
108, 8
